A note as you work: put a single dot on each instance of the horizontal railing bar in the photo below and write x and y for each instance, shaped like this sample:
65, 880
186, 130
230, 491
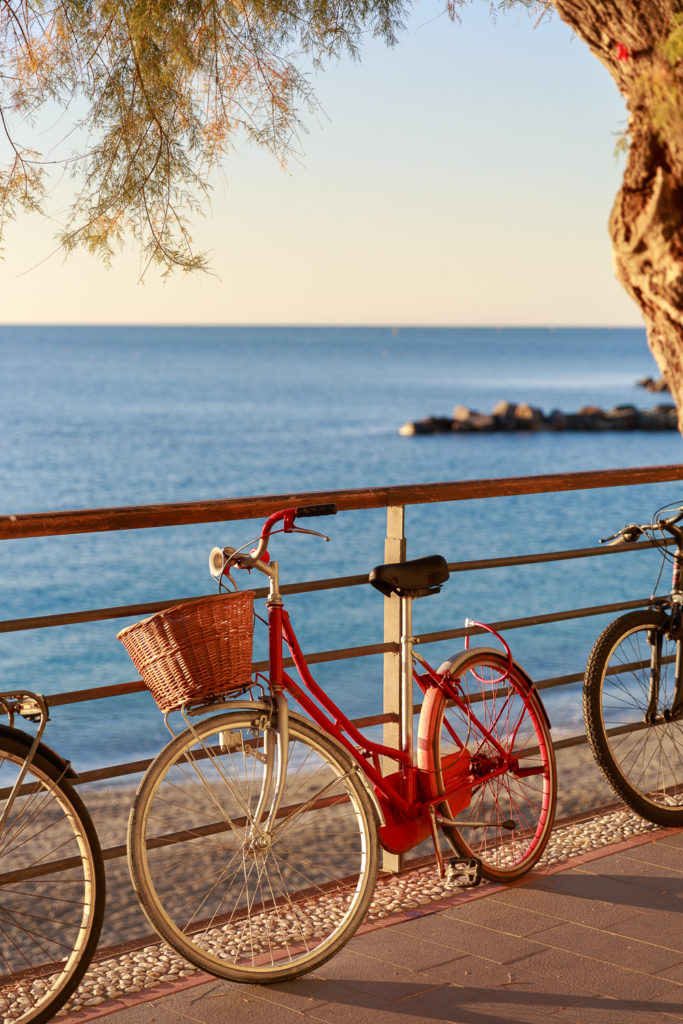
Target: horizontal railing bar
554, 681
57, 700
570, 741
142, 517
115, 771
534, 620
334, 583
150, 607
555, 556
316, 658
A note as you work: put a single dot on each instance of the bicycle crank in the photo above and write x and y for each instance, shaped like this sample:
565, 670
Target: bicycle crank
508, 824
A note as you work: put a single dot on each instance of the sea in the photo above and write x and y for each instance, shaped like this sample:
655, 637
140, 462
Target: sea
110, 416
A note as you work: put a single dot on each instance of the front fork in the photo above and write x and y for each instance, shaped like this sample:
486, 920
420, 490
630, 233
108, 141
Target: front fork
655, 638
275, 763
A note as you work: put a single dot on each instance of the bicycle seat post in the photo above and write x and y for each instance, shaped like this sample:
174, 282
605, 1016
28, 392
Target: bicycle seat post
406, 687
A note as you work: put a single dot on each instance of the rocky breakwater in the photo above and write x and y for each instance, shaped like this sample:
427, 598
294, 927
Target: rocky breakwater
520, 416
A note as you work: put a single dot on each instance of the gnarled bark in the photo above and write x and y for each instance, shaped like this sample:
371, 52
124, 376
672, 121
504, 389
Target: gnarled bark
630, 38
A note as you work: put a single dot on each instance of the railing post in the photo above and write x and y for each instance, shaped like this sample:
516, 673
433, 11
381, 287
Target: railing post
394, 551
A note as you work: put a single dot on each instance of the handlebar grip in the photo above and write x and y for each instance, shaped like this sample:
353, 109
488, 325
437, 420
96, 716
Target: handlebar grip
309, 511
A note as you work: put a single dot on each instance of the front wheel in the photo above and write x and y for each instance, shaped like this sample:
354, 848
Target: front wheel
241, 893
485, 744
628, 696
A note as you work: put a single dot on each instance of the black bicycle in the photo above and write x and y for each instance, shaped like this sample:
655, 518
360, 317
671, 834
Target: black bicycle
633, 688
52, 884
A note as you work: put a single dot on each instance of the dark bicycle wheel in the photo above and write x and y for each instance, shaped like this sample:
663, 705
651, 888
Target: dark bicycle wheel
52, 885
637, 743
490, 748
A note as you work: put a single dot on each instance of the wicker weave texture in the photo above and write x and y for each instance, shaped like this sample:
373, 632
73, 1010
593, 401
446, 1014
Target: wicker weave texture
195, 650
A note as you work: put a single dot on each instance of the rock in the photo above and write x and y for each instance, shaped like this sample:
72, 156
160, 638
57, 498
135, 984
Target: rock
558, 420
527, 417
623, 417
662, 417
430, 425
522, 416
504, 410
652, 385
481, 422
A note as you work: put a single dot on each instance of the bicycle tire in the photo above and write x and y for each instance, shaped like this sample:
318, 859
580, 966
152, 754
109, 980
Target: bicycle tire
234, 900
643, 763
50, 915
508, 775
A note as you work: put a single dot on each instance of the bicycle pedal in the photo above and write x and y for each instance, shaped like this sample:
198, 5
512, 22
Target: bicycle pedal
463, 873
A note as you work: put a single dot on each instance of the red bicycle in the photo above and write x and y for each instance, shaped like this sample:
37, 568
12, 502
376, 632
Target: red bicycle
254, 836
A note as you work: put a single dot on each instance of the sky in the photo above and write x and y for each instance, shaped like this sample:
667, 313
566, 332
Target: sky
465, 176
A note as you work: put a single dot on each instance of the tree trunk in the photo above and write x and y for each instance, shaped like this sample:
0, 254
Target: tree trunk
646, 223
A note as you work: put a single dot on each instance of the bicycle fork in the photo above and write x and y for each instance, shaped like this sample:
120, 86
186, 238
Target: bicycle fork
655, 638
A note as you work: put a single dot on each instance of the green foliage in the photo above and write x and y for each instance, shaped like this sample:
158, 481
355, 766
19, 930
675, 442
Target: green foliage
659, 89
160, 91
672, 49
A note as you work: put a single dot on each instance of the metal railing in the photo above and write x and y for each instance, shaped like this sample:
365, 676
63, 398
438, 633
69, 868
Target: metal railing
394, 500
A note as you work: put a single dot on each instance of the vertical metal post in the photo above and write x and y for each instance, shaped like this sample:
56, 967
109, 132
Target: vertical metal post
394, 551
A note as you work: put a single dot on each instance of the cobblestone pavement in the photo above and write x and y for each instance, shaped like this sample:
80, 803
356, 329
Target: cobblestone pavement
143, 969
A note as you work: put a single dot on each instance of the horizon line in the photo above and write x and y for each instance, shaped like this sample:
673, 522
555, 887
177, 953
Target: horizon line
322, 325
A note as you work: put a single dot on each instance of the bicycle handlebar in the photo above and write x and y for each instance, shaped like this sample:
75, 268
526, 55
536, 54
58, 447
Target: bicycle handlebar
287, 516
630, 534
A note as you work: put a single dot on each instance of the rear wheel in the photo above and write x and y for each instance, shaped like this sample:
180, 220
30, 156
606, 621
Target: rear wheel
235, 896
637, 738
486, 744
52, 886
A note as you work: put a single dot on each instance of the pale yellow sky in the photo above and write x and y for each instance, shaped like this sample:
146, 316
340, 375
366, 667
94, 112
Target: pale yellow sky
465, 177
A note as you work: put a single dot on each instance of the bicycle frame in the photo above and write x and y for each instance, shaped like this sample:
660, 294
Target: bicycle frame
409, 817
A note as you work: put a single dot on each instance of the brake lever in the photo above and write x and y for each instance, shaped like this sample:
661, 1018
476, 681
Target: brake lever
313, 533
628, 535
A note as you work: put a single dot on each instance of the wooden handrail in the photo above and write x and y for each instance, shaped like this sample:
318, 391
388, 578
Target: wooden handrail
185, 513
143, 517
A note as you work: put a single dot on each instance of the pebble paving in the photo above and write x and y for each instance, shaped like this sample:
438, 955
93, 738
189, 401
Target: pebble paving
144, 968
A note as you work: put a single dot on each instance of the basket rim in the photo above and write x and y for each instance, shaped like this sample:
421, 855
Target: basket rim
202, 599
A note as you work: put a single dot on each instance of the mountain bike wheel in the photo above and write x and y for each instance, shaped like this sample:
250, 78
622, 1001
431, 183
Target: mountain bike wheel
52, 885
235, 898
491, 750
641, 759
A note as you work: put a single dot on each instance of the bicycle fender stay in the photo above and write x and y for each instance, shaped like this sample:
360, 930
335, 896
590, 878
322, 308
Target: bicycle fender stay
454, 666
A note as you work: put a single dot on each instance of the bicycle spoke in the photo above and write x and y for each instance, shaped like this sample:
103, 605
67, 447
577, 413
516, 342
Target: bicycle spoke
238, 900
511, 768
638, 751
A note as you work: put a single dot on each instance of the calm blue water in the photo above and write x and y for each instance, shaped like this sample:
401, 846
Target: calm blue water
98, 416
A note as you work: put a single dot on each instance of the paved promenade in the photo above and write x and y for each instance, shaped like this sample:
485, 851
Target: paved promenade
597, 937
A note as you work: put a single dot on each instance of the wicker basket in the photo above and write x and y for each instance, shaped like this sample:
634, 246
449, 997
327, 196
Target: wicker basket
195, 650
